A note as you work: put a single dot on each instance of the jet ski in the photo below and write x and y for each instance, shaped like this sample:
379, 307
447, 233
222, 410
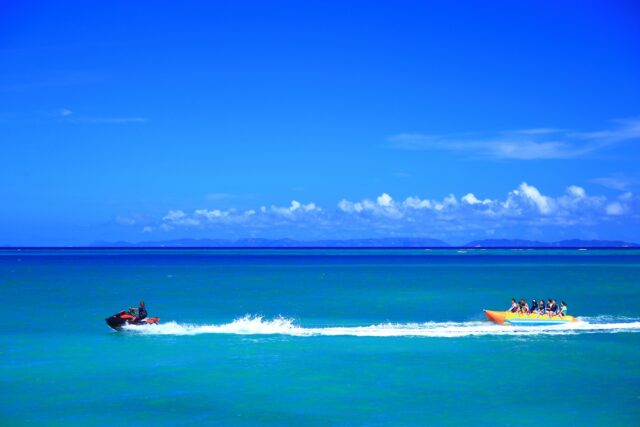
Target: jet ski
122, 318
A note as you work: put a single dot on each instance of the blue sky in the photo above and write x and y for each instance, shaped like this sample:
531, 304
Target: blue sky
453, 120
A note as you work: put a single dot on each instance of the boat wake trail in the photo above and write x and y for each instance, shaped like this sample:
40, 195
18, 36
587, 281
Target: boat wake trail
256, 325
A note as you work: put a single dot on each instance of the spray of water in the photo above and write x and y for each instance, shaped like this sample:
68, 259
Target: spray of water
256, 325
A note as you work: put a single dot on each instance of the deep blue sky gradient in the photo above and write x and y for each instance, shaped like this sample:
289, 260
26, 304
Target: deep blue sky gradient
112, 114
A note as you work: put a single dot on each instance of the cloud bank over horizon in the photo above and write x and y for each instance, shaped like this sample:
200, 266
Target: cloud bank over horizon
524, 212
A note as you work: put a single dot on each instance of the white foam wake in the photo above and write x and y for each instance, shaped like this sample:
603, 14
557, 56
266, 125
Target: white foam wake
256, 325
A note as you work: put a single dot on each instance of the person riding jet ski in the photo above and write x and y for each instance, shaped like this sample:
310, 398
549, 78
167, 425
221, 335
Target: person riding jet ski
141, 312
135, 316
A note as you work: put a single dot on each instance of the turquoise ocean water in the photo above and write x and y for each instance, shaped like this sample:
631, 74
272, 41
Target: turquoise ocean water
317, 338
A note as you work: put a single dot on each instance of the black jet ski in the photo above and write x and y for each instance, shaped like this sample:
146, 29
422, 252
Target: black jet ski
118, 320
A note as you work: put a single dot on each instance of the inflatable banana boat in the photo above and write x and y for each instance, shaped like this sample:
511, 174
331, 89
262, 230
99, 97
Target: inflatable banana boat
526, 319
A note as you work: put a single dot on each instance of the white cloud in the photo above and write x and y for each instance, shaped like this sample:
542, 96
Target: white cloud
616, 183
384, 205
525, 206
71, 117
417, 203
294, 207
528, 144
525, 203
210, 215
174, 215
347, 206
577, 192
471, 199
626, 203
529, 194
447, 202
310, 207
179, 218
615, 208
384, 200
250, 217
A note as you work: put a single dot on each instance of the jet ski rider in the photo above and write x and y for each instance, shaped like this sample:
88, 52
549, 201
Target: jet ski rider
141, 312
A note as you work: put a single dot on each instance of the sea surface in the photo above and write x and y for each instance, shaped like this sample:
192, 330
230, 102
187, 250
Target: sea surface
317, 338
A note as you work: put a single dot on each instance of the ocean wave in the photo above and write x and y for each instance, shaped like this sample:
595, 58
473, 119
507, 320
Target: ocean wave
607, 318
256, 325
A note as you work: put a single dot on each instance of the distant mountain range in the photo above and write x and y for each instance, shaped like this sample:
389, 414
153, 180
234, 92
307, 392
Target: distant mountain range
368, 243
392, 242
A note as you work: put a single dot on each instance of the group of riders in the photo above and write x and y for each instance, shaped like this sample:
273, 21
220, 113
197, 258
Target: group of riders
550, 308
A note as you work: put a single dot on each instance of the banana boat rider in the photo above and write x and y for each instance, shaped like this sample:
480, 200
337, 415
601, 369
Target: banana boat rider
542, 308
552, 309
563, 309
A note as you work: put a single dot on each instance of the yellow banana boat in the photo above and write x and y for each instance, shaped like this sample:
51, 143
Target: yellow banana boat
527, 319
